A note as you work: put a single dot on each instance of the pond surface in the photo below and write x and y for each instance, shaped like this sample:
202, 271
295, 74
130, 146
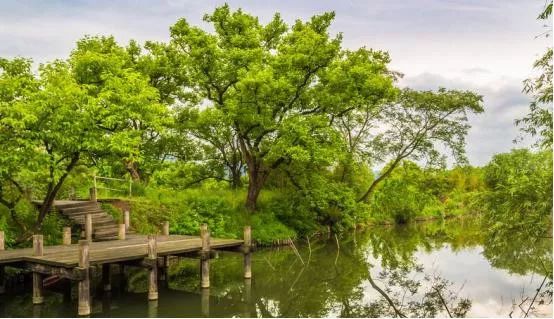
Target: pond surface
426, 269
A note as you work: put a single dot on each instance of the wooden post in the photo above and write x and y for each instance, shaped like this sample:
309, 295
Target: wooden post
88, 227
38, 250
165, 228
106, 277
121, 234
84, 285
127, 220
247, 252
205, 256
93, 195
2, 240
67, 235
153, 275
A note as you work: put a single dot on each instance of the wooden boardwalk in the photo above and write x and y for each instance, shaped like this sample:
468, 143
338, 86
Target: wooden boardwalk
74, 261
134, 247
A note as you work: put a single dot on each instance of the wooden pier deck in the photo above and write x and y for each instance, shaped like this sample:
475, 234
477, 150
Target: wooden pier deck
74, 261
134, 247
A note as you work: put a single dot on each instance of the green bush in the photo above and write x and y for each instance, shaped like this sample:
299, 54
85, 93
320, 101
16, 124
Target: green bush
221, 209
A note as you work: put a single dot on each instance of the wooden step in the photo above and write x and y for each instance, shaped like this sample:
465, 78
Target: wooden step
75, 204
104, 234
82, 218
83, 213
104, 227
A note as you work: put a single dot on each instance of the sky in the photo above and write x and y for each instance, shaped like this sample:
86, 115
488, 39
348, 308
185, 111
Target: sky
487, 46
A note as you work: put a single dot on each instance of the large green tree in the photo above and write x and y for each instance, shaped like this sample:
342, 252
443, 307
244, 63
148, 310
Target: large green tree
72, 112
420, 125
17, 84
278, 86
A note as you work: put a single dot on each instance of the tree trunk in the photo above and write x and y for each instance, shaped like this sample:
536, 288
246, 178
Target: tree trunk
257, 176
379, 179
132, 168
53, 191
236, 181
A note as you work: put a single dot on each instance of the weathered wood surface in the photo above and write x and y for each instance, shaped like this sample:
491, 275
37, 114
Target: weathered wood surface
134, 247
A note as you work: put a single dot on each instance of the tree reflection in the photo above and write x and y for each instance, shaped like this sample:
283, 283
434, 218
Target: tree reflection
372, 274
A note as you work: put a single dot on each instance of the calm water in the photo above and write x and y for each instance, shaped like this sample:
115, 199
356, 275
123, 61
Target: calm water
425, 269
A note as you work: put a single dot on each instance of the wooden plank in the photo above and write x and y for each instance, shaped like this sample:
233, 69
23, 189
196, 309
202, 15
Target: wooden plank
132, 248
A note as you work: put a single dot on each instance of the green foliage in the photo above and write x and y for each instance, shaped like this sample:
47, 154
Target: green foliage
221, 209
538, 122
520, 193
415, 193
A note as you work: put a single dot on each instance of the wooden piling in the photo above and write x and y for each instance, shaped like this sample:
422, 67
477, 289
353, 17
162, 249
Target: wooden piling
38, 250
205, 256
153, 272
247, 252
93, 195
84, 284
121, 234
88, 227
67, 235
127, 219
106, 277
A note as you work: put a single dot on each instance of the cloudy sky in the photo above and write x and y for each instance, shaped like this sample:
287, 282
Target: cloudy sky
484, 45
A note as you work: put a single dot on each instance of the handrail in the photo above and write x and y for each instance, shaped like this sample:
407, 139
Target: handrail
115, 179
112, 178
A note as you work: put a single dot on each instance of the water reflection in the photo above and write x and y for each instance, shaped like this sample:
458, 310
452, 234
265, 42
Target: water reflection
428, 269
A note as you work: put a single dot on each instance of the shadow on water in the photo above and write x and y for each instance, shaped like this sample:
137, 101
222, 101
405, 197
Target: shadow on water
445, 268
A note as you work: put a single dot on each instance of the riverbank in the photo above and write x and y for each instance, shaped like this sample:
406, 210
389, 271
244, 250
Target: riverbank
276, 222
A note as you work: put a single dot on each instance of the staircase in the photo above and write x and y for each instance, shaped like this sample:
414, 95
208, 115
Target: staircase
104, 227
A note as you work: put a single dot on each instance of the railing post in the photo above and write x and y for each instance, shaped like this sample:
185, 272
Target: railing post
67, 236
84, 284
121, 234
127, 219
38, 250
2, 240
88, 227
247, 252
93, 195
165, 228
205, 256
153, 272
